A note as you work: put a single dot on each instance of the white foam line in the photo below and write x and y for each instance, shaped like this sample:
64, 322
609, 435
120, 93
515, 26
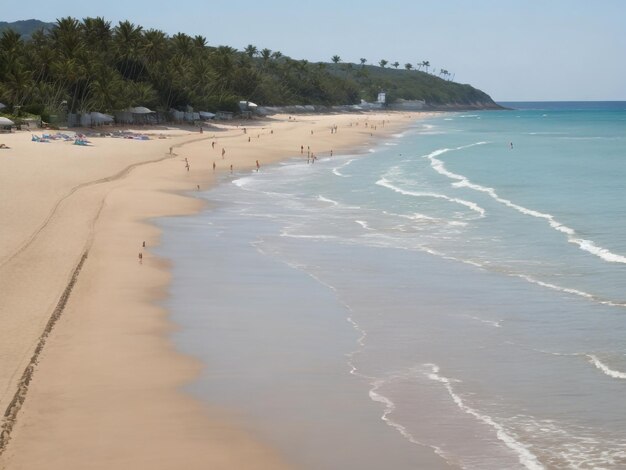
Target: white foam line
389, 409
526, 277
463, 182
325, 199
414, 216
338, 173
567, 290
285, 233
363, 224
606, 369
469, 204
418, 216
495, 324
362, 333
525, 456
593, 359
241, 182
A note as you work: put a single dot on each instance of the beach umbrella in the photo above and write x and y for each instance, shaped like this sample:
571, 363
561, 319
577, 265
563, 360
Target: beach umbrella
206, 115
100, 118
6, 121
244, 105
140, 110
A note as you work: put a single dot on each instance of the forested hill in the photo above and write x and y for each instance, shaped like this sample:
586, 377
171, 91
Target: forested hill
93, 65
25, 27
433, 86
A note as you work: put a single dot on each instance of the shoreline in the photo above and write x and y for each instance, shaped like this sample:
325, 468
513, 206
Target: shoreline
100, 419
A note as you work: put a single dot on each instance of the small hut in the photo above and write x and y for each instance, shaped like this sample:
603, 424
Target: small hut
6, 123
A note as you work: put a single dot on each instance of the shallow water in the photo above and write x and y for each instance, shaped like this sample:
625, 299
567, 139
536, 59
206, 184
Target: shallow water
446, 289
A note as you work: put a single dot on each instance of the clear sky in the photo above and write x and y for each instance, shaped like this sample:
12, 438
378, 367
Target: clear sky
514, 50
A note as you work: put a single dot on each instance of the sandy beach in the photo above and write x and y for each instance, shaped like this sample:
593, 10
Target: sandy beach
89, 378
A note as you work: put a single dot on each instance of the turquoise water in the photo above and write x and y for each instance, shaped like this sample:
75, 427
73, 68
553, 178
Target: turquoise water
458, 289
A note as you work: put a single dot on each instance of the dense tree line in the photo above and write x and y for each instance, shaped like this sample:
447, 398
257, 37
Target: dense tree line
90, 65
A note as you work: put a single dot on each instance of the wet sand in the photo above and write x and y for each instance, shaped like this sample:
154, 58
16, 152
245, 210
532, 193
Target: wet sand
89, 377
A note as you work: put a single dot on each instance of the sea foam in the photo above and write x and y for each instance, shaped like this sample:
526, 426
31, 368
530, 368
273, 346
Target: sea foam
606, 369
463, 182
525, 456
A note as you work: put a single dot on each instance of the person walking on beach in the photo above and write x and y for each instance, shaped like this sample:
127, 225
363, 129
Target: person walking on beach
231, 169
511, 145
223, 152
301, 149
213, 145
257, 165
140, 257
213, 166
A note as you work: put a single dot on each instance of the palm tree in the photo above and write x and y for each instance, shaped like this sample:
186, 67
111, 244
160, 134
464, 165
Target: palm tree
154, 46
363, 60
199, 42
383, 63
425, 64
265, 55
104, 90
16, 85
408, 66
97, 33
251, 50
336, 59
182, 44
127, 41
396, 64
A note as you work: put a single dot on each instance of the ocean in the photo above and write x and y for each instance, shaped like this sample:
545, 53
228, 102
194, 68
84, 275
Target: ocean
459, 288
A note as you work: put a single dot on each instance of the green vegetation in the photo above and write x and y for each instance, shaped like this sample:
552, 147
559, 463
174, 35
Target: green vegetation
411, 84
90, 65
